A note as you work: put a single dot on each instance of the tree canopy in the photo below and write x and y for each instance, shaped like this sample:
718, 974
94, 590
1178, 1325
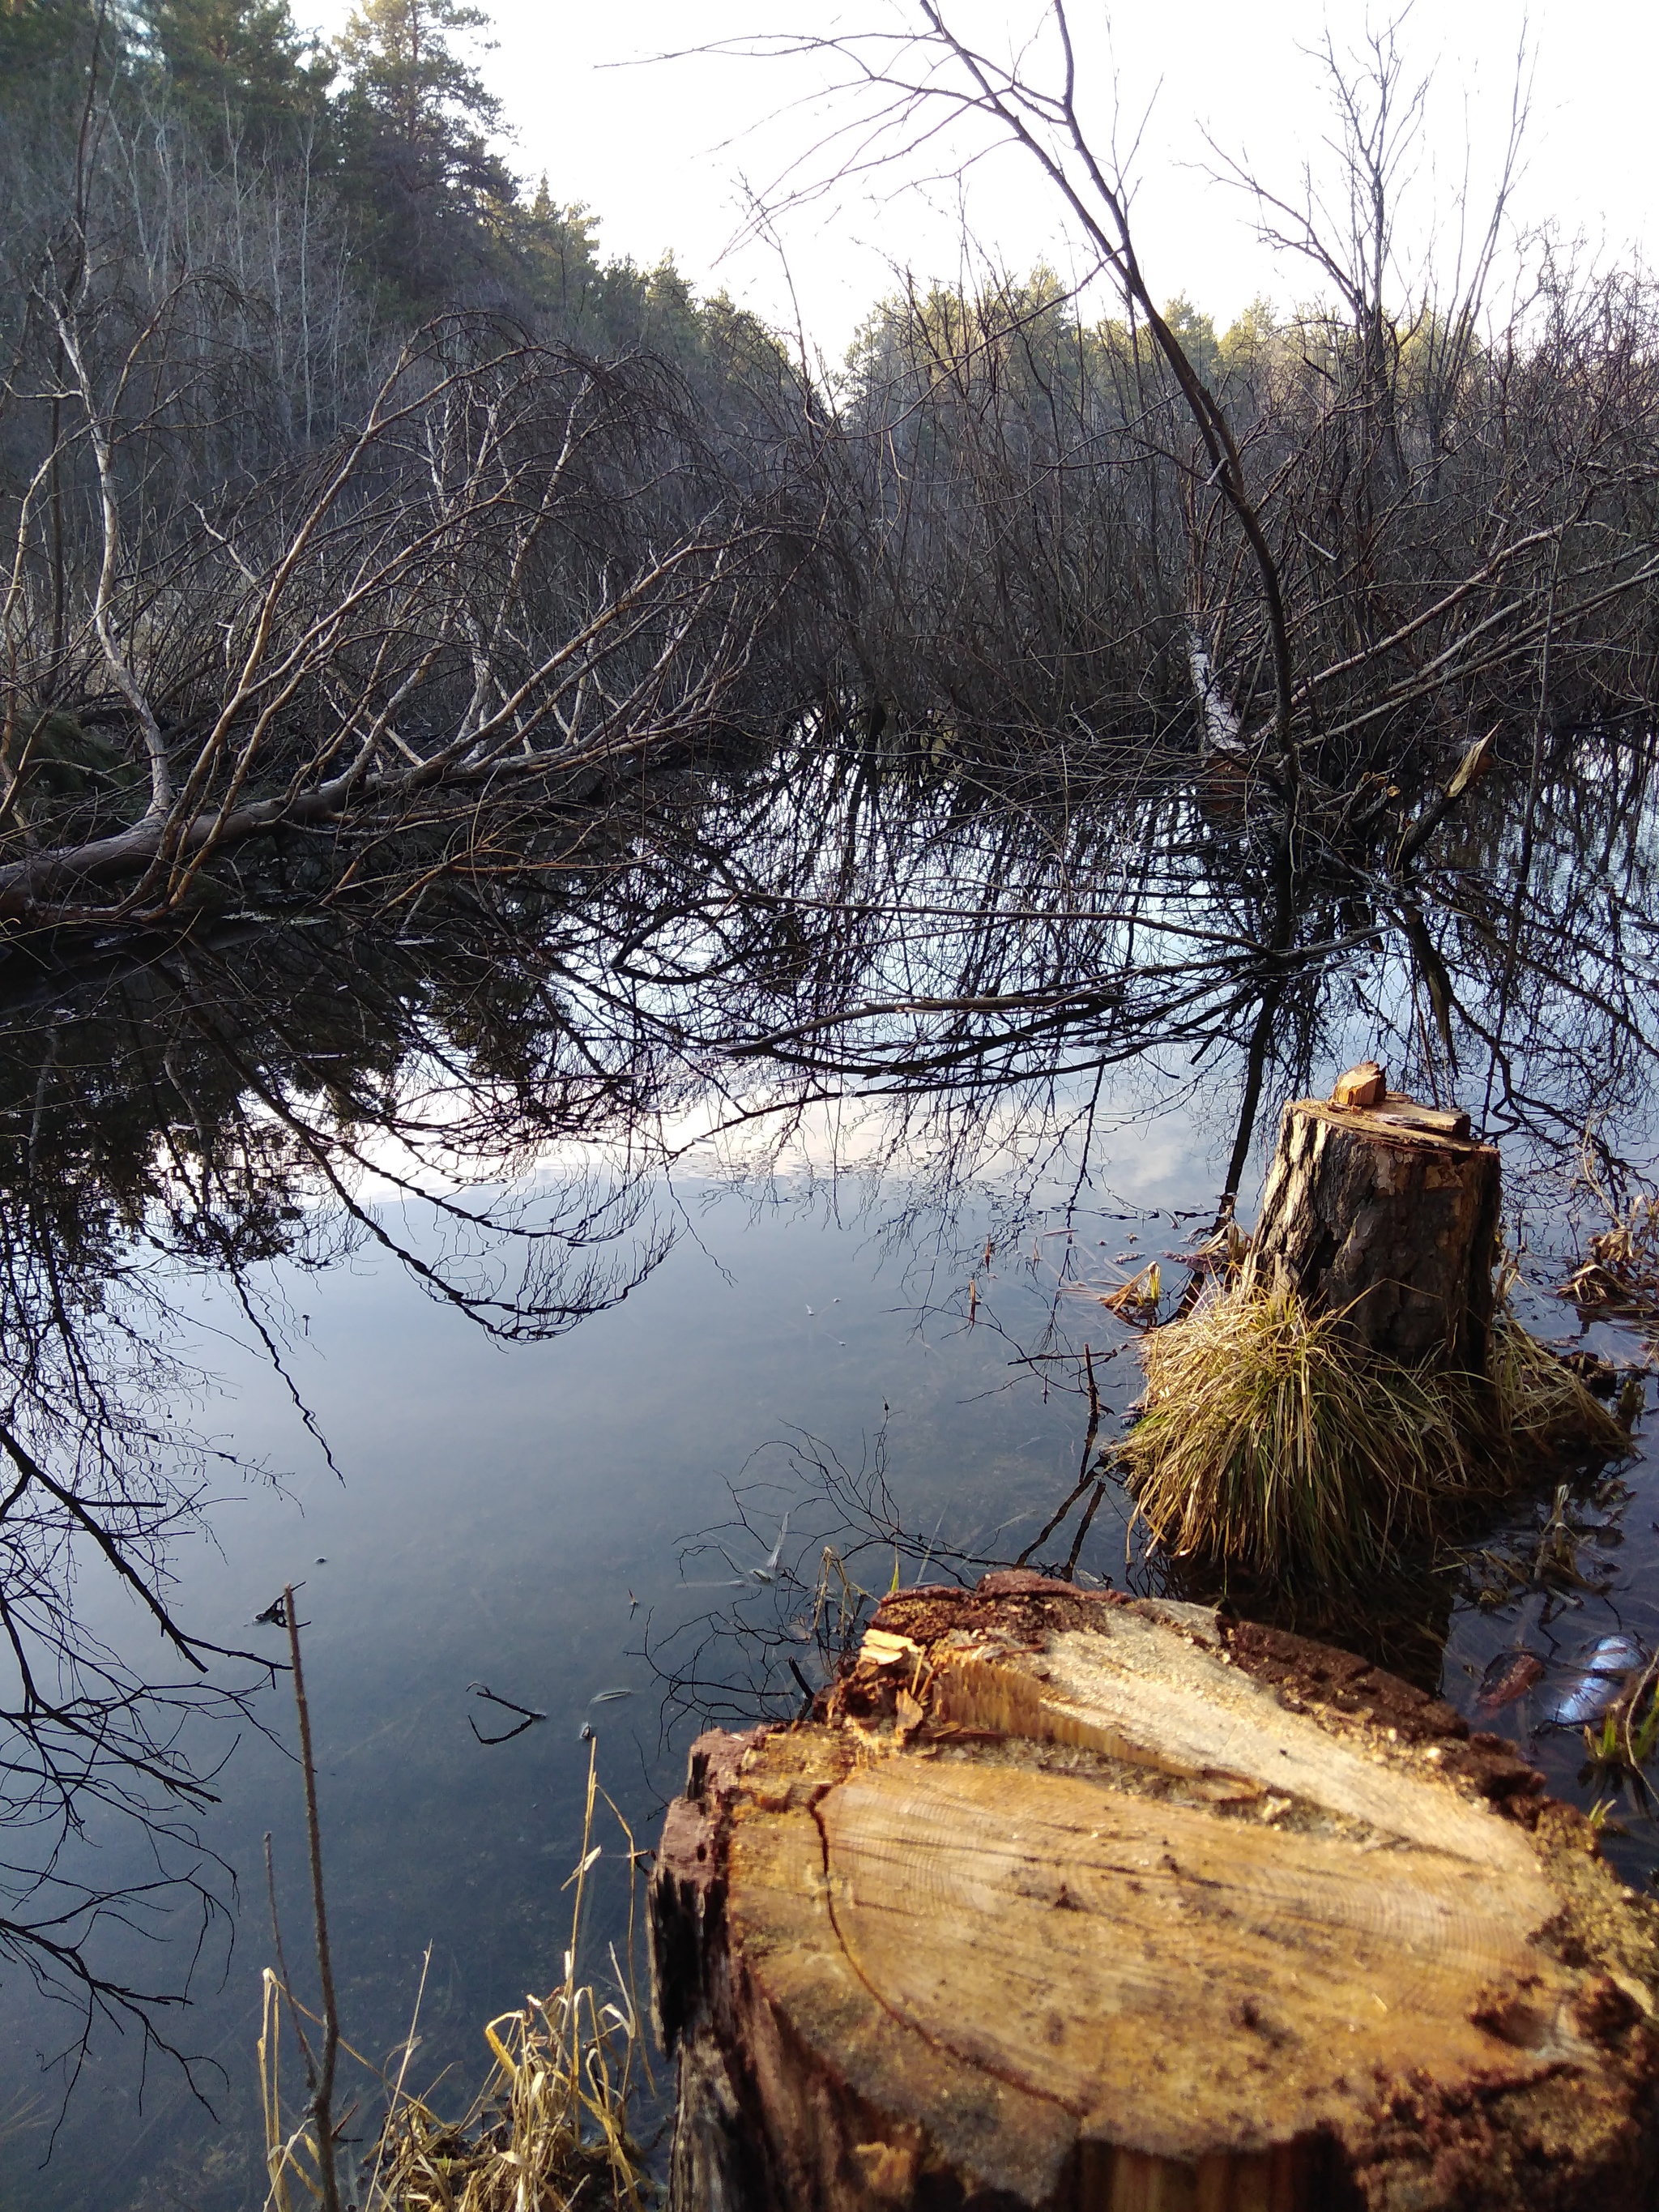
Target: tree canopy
241, 70
389, 132
418, 162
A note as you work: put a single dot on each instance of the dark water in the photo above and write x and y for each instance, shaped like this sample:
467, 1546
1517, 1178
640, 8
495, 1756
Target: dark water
516, 1517
866, 1310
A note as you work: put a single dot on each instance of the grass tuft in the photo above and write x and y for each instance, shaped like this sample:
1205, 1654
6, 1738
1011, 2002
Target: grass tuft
1537, 1411
549, 2129
1271, 1441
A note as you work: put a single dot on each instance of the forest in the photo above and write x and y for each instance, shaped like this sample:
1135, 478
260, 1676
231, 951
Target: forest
358, 513
463, 695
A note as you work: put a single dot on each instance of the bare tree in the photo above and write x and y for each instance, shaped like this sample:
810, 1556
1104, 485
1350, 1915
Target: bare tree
505, 583
1372, 524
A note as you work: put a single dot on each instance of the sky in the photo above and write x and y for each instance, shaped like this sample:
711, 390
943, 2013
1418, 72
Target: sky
671, 153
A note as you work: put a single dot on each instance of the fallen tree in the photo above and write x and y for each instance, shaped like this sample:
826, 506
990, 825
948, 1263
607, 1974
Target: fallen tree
523, 575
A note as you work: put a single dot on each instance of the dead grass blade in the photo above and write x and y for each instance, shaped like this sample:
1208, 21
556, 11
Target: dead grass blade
549, 2129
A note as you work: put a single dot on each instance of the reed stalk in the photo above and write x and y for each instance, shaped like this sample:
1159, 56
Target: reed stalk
548, 2130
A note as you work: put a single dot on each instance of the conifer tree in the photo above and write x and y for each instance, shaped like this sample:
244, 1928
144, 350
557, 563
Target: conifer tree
558, 264
241, 69
44, 40
36, 31
428, 189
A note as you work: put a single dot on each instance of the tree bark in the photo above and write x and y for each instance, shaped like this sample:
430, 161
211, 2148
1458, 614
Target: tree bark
1386, 1215
1096, 1904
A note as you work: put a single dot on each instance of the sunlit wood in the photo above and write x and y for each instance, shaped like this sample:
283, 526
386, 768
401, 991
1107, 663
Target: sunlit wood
1086, 1902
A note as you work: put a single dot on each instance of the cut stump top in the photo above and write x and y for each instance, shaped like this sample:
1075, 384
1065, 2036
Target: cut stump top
1066, 1892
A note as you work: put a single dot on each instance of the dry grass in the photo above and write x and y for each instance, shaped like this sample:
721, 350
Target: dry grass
1537, 1411
1270, 1442
1266, 1441
1621, 1275
548, 2132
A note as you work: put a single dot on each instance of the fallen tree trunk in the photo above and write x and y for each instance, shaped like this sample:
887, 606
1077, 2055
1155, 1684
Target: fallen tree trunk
1386, 1212
57, 874
1072, 1901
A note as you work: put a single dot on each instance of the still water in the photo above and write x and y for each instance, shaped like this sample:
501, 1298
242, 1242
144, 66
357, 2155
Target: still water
603, 1473
517, 1517
535, 1518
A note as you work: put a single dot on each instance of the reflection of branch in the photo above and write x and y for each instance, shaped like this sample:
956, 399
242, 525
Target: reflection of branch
187, 1646
745, 1659
531, 1715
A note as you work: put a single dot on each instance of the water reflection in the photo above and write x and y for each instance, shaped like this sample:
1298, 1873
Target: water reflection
332, 1162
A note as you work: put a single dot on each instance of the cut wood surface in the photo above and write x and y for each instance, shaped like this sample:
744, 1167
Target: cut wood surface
1364, 1085
1067, 1900
1387, 1214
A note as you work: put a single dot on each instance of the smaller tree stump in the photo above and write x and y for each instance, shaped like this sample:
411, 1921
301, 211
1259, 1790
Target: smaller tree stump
1386, 1215
1087, 1904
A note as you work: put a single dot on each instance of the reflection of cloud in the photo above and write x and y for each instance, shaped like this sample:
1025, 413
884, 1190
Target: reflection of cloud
1148, 1154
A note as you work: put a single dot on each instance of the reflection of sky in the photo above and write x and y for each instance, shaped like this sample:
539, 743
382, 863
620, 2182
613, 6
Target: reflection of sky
499, 1507
502, 1509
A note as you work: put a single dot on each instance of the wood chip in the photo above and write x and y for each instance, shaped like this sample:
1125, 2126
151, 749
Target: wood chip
1366, 1084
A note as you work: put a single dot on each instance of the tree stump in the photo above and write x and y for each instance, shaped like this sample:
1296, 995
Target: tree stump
1386, 1213
1098, 1904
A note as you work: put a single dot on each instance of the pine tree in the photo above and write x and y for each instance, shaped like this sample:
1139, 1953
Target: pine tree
241, 69
44, 39
429, 192
1196, 332
558, 267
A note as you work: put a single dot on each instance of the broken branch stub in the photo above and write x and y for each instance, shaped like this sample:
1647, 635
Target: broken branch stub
1364, 1085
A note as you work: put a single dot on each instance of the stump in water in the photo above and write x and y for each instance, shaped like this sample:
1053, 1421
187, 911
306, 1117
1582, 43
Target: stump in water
1351, 1389
1386, 1212
1093, 1904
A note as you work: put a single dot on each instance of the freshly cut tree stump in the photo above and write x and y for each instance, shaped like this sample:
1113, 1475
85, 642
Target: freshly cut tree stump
1386, 1213
1096, 1904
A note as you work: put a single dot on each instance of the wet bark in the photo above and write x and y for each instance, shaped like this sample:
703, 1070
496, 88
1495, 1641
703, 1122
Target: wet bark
1069, 1901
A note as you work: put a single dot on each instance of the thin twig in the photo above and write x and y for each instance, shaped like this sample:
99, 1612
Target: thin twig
281, 1964
322, 2101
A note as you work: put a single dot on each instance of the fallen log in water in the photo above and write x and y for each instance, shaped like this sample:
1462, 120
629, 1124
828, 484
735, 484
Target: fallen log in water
1074, 1901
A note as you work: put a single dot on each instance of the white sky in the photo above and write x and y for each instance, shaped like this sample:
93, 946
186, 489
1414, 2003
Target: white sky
661, 151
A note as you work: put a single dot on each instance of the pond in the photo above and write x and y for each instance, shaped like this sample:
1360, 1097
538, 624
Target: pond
563, 1300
